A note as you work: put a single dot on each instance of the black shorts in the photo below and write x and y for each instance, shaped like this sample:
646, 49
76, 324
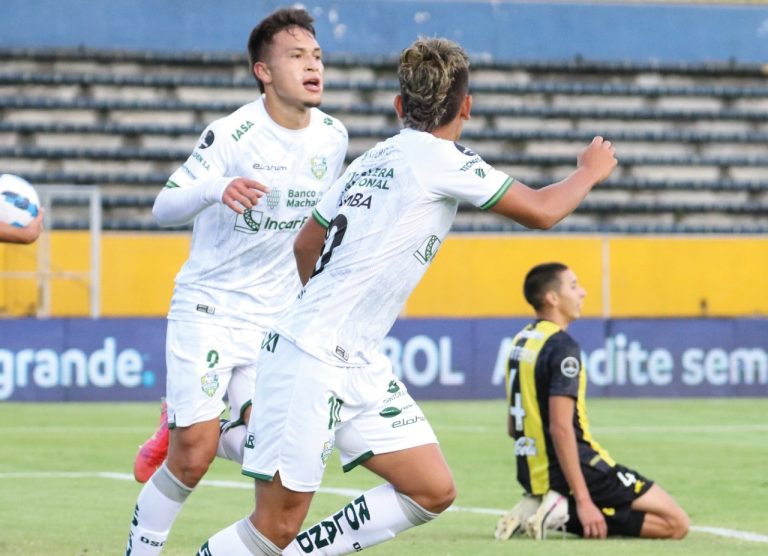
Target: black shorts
613, 489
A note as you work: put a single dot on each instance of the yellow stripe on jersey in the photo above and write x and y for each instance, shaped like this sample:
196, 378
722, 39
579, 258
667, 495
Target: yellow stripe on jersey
581, 414
538, 464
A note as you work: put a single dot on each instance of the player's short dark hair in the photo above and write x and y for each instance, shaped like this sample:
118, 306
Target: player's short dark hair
539, 280
434, 79
262, 35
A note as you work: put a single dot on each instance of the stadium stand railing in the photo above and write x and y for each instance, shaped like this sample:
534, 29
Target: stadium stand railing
691, 136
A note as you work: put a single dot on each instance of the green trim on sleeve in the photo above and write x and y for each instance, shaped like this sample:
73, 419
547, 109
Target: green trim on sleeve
319, 219
171, 185
498, 195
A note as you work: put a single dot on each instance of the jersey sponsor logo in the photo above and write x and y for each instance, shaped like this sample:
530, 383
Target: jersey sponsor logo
356, 200
151, 542
378, 153
209, 383
525, 446
464, 150
393, 387
269, 167
389, 412
253, 221
390, 399
241, 130
350, 517
408, 421
207, 309
319, 166
200, 160
273, 198
377, 178
520, 353
207, 140
570, 367
204, 550
342, 353
427, 250
468, 165
189, 172
301, 198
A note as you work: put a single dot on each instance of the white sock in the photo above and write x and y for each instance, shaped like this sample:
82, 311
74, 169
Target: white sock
372, 518
239, 539
232, 442
159, 503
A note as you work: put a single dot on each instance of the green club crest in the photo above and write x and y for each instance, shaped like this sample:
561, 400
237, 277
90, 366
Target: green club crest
327, 451
209, 383
319, 166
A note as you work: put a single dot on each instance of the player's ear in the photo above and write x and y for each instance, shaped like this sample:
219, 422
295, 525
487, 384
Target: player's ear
399, 106
262, 73
552, 298
466, 108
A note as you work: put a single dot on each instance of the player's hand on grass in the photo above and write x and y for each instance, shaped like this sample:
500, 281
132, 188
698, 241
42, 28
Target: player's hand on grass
592, 520
598, 158
243, 193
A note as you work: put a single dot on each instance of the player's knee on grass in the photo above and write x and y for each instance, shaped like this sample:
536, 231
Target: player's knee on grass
679, 524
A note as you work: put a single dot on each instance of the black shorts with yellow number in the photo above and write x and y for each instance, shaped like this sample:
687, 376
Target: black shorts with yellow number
613, 489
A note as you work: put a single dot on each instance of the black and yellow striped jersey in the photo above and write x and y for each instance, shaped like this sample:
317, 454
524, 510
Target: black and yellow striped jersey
545, 361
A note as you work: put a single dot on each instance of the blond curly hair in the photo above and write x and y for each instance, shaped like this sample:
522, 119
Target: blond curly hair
434, 79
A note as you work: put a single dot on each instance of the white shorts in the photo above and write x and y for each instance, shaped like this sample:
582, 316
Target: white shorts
204, 363
303, 406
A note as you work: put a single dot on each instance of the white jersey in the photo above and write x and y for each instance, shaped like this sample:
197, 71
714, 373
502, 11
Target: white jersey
241, 271
386, 218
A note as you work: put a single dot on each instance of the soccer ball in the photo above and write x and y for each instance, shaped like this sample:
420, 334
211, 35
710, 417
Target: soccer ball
19, 203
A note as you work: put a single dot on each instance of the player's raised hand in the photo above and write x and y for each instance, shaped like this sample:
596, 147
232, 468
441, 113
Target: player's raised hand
599, 158
243, 193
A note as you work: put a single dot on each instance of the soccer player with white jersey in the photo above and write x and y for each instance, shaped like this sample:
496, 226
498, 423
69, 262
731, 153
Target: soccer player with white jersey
322, 382
248, 186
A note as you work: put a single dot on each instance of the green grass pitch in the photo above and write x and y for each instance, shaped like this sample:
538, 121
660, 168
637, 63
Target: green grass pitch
64, 487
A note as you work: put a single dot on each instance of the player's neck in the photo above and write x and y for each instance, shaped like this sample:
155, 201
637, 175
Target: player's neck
450, 131
555, 317
289, 116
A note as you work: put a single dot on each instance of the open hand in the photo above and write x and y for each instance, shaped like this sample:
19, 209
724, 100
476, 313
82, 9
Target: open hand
243, 193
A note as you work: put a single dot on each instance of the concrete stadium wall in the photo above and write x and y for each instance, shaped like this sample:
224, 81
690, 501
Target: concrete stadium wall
473, 275
500, 29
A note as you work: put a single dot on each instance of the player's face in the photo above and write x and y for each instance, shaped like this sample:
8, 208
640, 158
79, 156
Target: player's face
571, 295
294, 68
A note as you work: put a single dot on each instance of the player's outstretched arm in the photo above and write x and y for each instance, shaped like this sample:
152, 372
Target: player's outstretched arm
26, 235
561, 410
176, 206
545, 207
307, 248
